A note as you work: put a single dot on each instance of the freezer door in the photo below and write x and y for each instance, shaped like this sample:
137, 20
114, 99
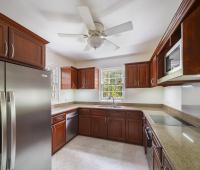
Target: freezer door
3, 119
29, 114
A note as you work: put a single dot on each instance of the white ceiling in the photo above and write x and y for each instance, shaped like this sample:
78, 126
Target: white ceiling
48, 17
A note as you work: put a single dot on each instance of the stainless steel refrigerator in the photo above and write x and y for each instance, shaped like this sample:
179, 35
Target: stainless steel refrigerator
25, 118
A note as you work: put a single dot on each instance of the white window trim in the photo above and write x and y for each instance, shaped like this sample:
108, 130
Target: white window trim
123, 87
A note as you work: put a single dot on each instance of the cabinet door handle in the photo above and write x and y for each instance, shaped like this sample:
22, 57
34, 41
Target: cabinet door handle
6, 48
13, 51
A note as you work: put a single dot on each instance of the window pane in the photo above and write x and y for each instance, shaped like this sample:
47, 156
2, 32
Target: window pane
112, 80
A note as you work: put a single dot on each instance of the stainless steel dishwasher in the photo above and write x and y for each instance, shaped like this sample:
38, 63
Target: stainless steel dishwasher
71, 125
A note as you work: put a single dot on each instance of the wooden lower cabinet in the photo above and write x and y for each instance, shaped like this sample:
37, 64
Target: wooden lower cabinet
134, 131
166, 163
58, 135
99, 126
84, 125
116, 128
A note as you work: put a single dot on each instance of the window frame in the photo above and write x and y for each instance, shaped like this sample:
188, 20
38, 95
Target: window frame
103, 99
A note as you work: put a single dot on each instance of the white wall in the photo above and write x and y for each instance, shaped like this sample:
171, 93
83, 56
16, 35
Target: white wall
53, 61
145, 95
172, 96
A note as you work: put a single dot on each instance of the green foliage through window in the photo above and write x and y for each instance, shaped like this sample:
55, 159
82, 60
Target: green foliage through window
112, 83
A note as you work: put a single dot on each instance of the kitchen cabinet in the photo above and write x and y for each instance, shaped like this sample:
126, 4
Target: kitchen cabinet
58, 132
99, 126
131, 71
88, 78
3, 39
166, 163
134, 127
153, 71
191, 41
98, 123
69, 78
84, 122
116, 125
157, 154
25, 49
137, 75
19, 45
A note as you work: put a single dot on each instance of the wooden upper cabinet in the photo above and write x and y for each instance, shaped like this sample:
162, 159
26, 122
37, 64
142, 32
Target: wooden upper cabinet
81, 78
25, 49
19, 45
143, 70
153, 71
88, 78
191, 41
131, 75
69, 78
137, 75
3, 39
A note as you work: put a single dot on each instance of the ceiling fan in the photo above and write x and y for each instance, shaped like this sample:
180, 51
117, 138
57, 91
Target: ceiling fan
97, 35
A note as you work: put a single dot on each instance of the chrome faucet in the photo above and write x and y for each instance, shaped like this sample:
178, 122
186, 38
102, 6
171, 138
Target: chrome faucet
113, 101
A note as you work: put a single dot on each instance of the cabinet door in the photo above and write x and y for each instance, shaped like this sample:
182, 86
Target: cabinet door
58, 135
134, 131
3, 40
116, 128
143, 70
84, 125
131, 75
191, 41
166, 164
65, 78
154, 71
99, 126
25, 49
74, 78
81, 78
157, 164
89, 78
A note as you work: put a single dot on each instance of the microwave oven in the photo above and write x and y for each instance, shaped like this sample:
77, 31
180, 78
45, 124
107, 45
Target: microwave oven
174, 59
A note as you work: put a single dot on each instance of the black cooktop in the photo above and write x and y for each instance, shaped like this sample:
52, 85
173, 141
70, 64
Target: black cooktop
169, 120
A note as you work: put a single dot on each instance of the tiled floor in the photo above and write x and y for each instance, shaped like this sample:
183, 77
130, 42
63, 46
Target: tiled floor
84, 153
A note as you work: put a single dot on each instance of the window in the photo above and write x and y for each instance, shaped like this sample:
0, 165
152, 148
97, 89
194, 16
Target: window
54, 83
112, 83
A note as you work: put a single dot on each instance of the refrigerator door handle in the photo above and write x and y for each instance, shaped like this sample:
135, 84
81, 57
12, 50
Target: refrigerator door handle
3, 130
11, 98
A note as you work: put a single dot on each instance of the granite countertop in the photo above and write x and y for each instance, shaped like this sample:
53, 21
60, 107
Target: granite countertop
181, 143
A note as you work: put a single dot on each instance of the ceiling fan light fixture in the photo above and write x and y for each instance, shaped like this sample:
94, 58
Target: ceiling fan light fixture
95, 41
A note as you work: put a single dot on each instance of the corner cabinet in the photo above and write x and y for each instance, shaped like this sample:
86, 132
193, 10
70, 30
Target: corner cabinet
137, 75
153, 71
119, 125
19, 45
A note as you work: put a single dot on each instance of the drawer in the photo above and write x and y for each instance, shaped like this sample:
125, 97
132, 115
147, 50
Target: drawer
134, 115
98, 112
114, 113
58, 118
84, 111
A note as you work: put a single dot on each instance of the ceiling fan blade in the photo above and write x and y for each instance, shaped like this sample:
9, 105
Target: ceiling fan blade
72, 35
110, 42
119, 28
86, 16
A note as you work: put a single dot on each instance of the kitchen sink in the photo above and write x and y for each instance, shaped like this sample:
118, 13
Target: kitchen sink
111, 106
